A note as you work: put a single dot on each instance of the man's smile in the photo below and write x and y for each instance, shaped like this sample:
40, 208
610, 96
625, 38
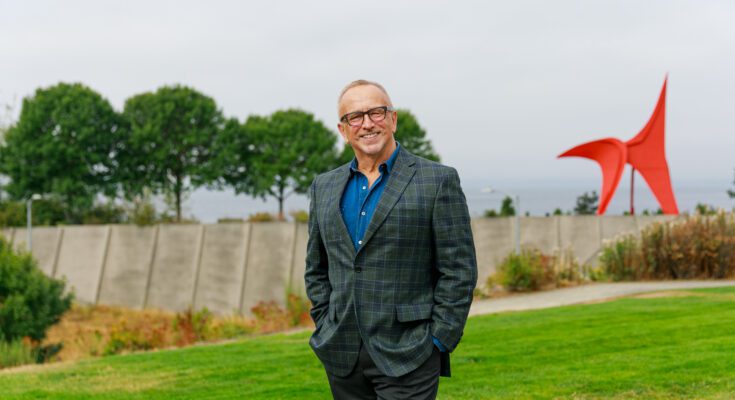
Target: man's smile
369, 135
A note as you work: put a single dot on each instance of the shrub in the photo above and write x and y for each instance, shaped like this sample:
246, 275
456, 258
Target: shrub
300, 216
104, 213
529, 270
534, 270
261, 217
15, 353
191, 327
30, 302
142, 334
698, 247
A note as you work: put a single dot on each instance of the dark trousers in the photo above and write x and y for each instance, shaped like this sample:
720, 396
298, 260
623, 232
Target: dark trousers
367, 382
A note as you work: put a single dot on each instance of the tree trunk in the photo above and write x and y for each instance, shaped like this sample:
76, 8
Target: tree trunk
281, 217
178, 199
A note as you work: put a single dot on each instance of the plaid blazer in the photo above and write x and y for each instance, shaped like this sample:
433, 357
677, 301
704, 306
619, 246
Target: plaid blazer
412, 277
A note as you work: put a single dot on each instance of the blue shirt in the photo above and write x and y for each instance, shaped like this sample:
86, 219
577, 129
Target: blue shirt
360, 200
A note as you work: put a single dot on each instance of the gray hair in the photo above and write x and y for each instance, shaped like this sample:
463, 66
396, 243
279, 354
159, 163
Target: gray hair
363, 82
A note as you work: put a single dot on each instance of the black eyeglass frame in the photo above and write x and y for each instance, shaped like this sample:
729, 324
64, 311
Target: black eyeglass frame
385, 109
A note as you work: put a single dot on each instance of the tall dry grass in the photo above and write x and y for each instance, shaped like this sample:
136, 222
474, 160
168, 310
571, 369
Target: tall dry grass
696, 247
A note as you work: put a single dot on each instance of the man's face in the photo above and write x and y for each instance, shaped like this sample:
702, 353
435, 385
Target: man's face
370, 138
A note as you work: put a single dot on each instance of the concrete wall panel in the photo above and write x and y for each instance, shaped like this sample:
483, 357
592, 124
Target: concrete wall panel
299, 260
539, 233
174, 267
45, 240
493, 241
582, 234
613, 226
221, 269
269, 263
128, 262
80, 259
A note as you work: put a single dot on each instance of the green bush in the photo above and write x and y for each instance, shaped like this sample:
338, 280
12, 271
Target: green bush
698, 247
262, 217
529, 270
301, 216
534, 270
30, 302
45, 212
105, 213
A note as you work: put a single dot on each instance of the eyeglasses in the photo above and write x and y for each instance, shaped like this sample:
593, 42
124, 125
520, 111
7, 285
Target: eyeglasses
356, 118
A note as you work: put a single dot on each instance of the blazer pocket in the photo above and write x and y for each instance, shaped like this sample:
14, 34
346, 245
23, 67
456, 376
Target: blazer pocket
413, 312
332, 313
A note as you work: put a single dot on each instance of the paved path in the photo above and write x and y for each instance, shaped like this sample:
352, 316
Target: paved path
583, 294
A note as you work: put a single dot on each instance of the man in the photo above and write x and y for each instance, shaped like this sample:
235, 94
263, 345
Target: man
390, 265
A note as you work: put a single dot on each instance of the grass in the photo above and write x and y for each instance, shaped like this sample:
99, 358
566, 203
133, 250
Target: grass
645, 347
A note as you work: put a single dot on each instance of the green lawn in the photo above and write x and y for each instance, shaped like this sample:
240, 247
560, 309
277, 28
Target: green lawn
647, 348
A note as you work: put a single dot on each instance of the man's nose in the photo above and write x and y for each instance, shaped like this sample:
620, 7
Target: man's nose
367, 123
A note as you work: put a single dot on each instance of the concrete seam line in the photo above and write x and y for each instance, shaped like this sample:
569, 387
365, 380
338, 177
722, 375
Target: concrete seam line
246, 261
105, 252
151, 262
57, 252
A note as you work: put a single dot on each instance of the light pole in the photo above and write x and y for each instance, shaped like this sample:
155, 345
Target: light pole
517, 204
29, 215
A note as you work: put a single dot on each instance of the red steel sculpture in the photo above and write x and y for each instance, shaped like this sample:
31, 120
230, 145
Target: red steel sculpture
645, 153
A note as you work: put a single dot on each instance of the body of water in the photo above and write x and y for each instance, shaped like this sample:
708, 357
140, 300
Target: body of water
537, 199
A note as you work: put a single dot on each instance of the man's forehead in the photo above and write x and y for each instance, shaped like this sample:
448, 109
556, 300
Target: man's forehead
363, 96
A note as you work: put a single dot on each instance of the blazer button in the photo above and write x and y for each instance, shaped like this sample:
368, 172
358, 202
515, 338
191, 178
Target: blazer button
358, 269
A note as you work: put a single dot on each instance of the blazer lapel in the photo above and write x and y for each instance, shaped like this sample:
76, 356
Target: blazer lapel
335, 214
398, 178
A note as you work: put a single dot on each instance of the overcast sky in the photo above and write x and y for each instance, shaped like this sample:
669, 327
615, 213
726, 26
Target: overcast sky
501, 87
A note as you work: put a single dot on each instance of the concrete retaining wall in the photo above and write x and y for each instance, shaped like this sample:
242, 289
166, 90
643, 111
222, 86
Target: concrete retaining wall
229, 268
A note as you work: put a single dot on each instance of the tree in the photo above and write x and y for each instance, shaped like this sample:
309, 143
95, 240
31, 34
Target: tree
66, 144
30, 302
506, 208
409, 133
171, 136
586, 204
731, 193
277, 155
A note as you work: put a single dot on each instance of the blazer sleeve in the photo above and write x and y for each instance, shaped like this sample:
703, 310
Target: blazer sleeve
455, 261
316, 276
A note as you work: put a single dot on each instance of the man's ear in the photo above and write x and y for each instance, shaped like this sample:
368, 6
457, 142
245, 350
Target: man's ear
342, 132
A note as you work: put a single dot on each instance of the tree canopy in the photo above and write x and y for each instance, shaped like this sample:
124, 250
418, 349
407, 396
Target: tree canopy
171, 133
286, 150
409, 133
586, 203
66, 143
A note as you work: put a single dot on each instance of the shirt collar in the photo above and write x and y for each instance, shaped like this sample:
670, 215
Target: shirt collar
388, 164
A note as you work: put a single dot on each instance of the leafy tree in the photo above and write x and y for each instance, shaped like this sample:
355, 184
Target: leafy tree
586, 204
30, 302
506, 208
731, 193
66, 144
171, 136
275, 156
558, 211
409, 133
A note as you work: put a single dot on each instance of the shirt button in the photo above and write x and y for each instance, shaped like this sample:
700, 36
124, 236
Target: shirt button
364, 187
359, 242
358, 269
362, 213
